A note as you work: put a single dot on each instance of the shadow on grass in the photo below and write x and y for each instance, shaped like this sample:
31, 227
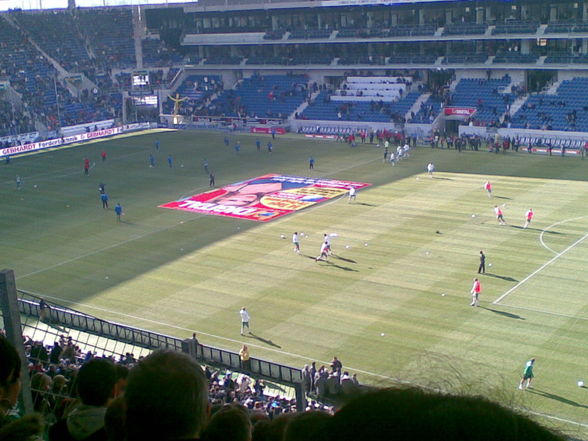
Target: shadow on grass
443, 179
263, 340
556, 398
504, 313
502, 197
508, 279
344, 259
365, 204
341, 267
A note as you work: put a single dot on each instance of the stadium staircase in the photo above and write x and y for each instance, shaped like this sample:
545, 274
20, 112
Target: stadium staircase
138, 35
417, 105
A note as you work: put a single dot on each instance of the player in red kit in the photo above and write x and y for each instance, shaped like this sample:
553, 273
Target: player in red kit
499, 216
528, 217
488, 188
475, 292
86, 166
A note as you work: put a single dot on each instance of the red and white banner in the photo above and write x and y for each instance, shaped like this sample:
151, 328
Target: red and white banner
268, 130
266, 197
34, 146
459, 111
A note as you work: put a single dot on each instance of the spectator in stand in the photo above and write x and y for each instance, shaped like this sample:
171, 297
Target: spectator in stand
230, 422
416, 415
95, 385
166, 398
23, 429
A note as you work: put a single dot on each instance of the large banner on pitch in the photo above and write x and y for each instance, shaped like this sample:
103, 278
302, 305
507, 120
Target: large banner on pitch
266, 197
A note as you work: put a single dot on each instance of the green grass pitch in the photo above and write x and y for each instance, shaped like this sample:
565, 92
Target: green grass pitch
393, 303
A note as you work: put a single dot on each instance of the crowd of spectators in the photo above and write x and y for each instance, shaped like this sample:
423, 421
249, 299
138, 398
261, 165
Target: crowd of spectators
166, 397
13, 121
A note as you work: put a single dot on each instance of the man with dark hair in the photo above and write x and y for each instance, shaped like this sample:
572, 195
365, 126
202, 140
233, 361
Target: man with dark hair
166, 398
95, 384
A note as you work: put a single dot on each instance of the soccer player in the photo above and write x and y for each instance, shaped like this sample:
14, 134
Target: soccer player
430, 169
101, 188
118, 210
499, 216
406, 148
18, 182
324, 252
244, 320
211, 179
327, 240
351, 194
527, 375
238, 147
205, 165
151, 160
482, 267
86, 166
170, 161
226, 141
270, 147
488, 188
385, 154
311, 163
258, 144
296, 242
475, 292
103, 156
104, 198
528, 217
157, 144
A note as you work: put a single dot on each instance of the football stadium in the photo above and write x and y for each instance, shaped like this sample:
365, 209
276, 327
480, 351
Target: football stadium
273, 219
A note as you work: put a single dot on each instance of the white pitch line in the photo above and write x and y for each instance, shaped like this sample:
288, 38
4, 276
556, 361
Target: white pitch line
545, 230
552, 417
540, 311
553, 259
291, 354
240, 342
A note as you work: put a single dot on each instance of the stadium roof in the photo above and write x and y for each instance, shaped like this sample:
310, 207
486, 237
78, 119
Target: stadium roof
5, 5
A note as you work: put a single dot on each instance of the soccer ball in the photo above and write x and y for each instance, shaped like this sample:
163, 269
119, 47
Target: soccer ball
489, 264
473, 215
580, 383
282, 236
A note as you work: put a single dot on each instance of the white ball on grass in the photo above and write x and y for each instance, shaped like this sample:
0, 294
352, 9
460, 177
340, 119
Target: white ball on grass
347, 246
489, 264
106, 277
473, 215
580, 383
35, 186
381, 334
282, 236
443, 295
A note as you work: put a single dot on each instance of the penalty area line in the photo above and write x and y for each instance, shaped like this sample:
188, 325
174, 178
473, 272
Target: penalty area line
538, 270
547, 229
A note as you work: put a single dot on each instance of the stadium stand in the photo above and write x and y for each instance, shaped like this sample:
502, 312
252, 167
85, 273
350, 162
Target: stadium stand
566, 110
486, 96
50, 30
272, 96
157, 54
195, 90
110, 32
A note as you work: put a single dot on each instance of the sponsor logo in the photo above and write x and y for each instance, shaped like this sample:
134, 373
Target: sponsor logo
266, 197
